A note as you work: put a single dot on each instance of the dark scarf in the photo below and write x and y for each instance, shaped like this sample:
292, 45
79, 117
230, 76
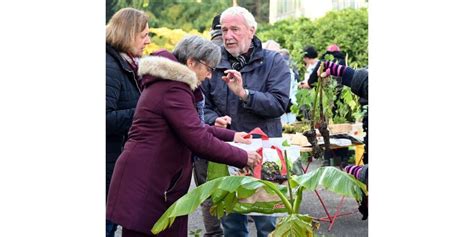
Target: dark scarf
237, 63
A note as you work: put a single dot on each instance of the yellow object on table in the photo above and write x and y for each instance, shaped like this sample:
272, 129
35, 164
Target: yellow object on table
359, 154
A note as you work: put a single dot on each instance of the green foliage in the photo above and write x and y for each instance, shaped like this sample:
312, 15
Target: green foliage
340, 105
348, 108
305, 99
348, 28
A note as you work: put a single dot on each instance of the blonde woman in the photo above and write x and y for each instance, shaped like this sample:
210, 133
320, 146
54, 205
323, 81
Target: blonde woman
126, 37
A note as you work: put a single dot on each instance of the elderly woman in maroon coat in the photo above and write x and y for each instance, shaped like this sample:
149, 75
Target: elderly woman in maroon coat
154, 169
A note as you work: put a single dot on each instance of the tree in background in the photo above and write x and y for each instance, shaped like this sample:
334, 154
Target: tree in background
347, 28
187, 14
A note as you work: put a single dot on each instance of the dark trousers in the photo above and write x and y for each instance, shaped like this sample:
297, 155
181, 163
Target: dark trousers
110, 228
236, 225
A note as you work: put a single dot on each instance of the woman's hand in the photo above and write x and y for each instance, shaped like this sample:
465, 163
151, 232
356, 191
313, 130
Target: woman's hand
241, 137
253, 158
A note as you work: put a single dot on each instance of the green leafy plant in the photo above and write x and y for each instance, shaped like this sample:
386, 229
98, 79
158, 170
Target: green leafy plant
226, 192
348, 109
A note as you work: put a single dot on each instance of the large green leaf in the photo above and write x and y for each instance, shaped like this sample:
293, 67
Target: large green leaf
295, 225
188, 203
334, 180
216, 170
246, 190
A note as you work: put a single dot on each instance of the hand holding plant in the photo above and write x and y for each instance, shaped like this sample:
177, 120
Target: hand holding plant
333, 69
253, 158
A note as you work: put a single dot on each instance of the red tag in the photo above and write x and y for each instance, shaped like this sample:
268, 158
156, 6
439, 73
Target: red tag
257, 131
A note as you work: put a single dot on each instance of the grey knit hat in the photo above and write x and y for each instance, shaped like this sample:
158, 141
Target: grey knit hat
216, 27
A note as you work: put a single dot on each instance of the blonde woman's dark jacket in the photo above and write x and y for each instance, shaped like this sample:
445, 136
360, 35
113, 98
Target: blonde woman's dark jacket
121, 97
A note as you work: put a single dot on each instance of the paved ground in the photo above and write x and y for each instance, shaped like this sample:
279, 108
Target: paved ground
344, 226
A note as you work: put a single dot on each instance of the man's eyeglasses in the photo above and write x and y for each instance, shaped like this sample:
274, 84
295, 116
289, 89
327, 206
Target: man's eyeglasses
209, 68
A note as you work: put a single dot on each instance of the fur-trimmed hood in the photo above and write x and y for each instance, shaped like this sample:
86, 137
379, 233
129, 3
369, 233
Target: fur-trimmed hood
155, 68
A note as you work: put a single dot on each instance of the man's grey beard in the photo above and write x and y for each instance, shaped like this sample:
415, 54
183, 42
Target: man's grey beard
237, 54
234, 55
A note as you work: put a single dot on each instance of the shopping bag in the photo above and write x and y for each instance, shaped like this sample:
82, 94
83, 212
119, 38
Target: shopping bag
272, 168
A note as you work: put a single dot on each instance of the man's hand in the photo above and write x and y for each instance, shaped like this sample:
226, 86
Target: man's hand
239, 137
233, 79
223, 122
253, 158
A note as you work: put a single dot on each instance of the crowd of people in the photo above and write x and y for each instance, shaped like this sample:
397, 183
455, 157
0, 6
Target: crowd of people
170, 113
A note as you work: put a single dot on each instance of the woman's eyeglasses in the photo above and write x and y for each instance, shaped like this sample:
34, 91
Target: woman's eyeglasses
209, 68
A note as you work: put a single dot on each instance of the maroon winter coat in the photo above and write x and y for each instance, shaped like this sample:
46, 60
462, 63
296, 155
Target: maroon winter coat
154, 169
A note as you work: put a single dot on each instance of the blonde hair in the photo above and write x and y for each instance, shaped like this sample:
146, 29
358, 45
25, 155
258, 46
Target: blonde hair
123, 28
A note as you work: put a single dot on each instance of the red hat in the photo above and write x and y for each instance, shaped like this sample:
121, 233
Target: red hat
333, 48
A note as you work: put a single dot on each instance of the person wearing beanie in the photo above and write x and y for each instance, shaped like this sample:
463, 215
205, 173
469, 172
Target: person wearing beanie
216, 31
310, 59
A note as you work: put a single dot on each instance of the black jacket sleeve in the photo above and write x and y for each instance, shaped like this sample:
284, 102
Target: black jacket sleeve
118, 121
358, 80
